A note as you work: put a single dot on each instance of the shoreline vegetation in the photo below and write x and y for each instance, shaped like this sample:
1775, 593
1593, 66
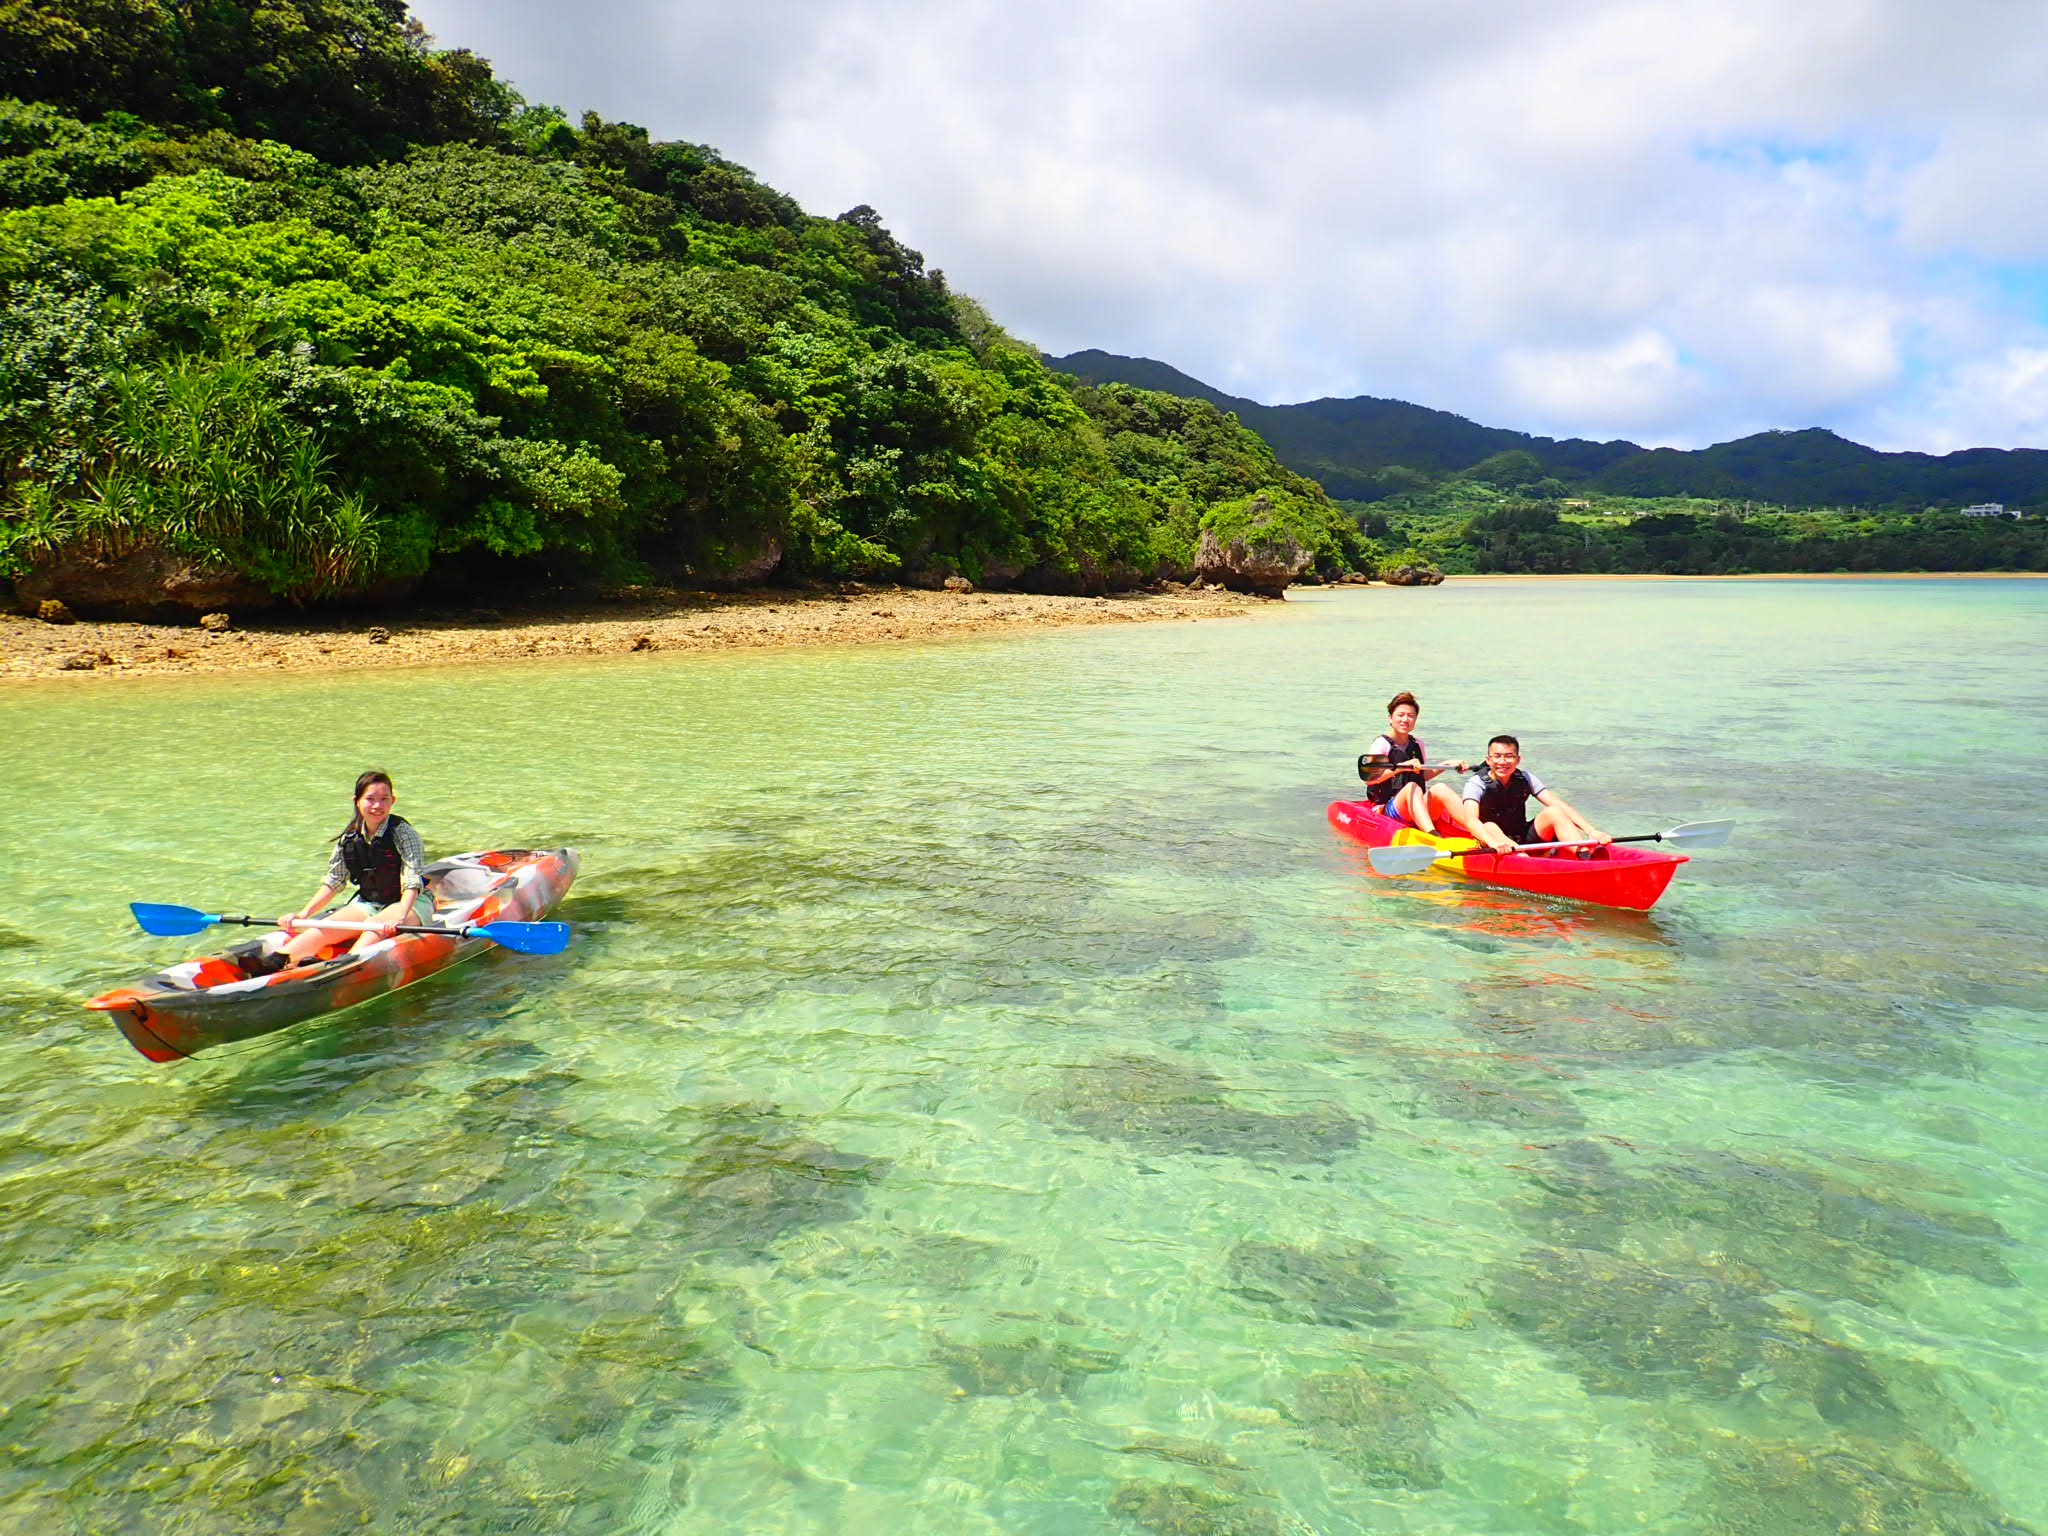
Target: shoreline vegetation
660, 622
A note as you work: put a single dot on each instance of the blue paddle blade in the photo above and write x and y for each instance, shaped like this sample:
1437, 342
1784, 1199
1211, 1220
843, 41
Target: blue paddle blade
168, 922
527, 938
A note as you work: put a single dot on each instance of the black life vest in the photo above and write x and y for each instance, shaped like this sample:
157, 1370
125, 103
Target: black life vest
373, 862
1505, 803
1390, 786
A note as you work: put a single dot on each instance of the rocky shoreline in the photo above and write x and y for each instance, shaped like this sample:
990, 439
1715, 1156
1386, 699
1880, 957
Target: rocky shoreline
651, 621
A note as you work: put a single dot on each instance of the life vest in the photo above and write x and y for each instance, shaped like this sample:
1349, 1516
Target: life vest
1505, 803
1387, 788
373, 862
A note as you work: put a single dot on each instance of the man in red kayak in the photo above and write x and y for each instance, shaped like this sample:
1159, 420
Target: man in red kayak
1497, 804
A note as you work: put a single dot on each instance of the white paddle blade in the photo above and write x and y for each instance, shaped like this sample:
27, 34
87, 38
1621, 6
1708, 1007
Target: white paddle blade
1410, 860
1700, 834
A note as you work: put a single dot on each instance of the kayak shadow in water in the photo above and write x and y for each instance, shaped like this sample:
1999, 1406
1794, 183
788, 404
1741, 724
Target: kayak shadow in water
373, 1049
1492, 916
1482, 913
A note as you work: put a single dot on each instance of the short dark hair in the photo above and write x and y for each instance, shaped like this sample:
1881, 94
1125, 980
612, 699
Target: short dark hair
1401, 698
1509, 740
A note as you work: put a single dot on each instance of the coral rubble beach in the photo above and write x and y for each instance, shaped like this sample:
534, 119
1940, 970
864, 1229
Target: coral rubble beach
658, 621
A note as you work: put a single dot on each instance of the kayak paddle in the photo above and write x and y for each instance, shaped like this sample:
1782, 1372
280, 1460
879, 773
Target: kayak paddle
1372, 764
1414, 858
528, 938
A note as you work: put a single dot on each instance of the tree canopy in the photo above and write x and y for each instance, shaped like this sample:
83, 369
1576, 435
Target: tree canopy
291, 289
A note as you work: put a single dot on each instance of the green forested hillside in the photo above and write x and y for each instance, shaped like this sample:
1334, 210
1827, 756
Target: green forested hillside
1436, 489
1367, 449
288, 289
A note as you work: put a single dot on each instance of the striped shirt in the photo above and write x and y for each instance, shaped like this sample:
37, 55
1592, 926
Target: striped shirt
412, 858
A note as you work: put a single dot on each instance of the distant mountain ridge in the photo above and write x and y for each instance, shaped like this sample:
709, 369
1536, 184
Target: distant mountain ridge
1345, 444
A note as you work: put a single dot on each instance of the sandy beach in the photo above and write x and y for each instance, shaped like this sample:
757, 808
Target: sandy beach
658, 621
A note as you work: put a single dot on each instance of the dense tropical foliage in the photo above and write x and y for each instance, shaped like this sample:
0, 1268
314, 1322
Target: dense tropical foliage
288, 289
1688, 537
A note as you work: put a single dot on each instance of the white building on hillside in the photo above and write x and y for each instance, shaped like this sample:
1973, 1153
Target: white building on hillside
1988, 509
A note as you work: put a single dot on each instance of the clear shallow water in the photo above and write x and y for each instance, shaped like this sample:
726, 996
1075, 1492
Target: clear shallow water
984, 1097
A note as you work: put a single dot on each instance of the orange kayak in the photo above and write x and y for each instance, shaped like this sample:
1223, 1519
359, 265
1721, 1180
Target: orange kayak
186, 1008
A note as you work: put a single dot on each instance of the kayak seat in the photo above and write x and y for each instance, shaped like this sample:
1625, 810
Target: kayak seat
460, 890
465, 882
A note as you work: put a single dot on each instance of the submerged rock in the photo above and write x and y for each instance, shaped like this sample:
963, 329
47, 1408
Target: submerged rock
753, 1178
1637, 1330
1780, 1488
1183, 1509
1379, 1421
1522, 1109
1342, 1286
1804, 1228
1049, 1368
1163, 1107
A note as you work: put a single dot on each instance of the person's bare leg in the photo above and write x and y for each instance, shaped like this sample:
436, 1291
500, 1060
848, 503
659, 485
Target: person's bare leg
307, 942
1412, 803
1556, 824
1446, 809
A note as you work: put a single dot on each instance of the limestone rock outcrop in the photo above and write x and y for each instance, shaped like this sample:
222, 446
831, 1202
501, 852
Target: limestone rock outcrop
143, 582
1263, 566
1412, 576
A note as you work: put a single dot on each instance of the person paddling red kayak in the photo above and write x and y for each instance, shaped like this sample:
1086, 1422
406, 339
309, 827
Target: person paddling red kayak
1511, 829
1397, 772
1496, 805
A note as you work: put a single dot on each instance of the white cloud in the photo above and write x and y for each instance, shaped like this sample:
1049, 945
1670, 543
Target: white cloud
2000, 400
1639, 378
1594, 217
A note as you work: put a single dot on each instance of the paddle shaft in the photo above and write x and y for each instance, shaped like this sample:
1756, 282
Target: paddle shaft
1584, 842
1367, 765
310, 924
1413, 858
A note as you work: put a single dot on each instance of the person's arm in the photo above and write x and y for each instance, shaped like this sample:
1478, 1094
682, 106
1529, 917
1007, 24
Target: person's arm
1380, 748
327, 892
1492, 836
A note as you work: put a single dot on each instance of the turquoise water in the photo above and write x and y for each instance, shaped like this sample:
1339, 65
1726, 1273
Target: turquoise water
983, 1096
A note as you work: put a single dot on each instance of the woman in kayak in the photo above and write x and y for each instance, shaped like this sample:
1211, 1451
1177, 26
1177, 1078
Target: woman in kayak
1496, 808
1405, 794
378, 853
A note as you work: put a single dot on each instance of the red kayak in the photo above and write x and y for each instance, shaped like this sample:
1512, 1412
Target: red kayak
179, 1012
1611, 876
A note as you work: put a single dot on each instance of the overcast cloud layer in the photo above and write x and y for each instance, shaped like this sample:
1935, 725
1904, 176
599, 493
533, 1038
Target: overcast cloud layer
1652, 219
